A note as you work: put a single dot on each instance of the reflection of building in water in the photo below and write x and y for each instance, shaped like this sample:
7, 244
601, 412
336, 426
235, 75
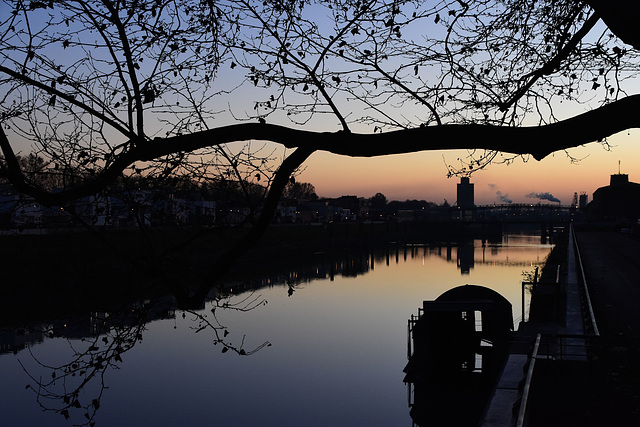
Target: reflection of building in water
466, 257
466, 254
457, 347
322, 266
76, 328
15, 340
85, 325
471, 253
353, 263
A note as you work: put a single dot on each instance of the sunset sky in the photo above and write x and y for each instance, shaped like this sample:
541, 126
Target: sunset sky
420, 175
424, 175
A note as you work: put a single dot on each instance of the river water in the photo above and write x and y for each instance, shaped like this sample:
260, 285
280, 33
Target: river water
331, 348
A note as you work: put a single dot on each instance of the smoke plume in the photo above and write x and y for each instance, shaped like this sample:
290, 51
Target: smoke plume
503, 198
544, 196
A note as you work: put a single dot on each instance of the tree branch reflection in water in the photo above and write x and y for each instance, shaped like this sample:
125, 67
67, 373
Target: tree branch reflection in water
64, 390
75, 388
249, 302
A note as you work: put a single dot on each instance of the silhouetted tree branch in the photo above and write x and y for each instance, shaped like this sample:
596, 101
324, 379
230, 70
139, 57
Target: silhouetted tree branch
621, 16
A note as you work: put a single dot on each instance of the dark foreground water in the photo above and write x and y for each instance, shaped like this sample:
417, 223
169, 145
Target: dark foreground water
331, 351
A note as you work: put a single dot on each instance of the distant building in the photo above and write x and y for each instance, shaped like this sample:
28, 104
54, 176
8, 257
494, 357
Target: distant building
618, 202
321, 210
286, 212
465, 194
350, 206
583, 201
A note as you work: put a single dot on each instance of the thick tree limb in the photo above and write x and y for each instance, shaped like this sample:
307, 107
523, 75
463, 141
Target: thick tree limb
621, 16
539, 141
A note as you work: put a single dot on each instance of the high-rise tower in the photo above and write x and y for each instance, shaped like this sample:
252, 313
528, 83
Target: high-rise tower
465, 194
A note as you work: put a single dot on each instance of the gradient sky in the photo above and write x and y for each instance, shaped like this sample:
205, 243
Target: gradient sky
424, 175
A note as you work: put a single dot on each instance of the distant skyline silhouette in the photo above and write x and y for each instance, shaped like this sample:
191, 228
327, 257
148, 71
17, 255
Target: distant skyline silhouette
423, 176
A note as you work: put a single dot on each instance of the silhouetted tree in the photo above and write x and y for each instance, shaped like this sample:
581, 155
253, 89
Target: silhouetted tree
299, 190
378, 201
198, 88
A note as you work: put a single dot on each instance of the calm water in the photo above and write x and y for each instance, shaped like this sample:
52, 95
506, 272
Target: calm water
336, 354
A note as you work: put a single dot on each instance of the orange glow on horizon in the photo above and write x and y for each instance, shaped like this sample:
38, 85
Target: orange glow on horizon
422, 175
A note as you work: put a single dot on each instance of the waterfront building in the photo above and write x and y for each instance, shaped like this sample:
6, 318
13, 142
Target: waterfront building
619, 202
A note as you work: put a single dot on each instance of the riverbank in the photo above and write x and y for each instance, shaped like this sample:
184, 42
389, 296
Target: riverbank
48, 274
612, 268
605, 389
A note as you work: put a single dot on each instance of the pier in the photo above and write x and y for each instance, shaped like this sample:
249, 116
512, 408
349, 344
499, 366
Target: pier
575, 360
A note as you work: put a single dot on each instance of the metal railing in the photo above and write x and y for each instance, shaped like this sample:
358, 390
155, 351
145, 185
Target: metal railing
568, 347
556, 347
591, 324
520, 406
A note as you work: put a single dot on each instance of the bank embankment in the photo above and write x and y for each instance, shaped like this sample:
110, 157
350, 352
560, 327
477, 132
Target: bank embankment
604, 390
612, 267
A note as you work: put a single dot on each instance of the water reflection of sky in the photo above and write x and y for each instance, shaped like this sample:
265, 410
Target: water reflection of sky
336, 359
